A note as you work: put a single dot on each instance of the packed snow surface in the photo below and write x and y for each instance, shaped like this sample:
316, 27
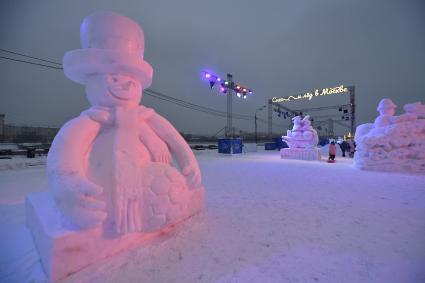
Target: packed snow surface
266, 220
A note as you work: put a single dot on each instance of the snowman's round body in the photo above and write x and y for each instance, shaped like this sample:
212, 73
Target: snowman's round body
162, 193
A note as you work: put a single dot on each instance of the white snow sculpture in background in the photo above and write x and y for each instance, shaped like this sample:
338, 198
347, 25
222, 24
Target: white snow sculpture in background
110, 170
393, 143
302, 141
302, 134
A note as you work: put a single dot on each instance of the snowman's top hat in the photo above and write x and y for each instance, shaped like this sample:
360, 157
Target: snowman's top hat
110, 43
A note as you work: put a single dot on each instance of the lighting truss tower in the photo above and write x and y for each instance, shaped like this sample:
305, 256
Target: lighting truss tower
229, 132
228, 87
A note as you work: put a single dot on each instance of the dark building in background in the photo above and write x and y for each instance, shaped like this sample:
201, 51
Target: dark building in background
25, 134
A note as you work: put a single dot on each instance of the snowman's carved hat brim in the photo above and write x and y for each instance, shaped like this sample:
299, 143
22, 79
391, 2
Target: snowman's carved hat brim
79, 64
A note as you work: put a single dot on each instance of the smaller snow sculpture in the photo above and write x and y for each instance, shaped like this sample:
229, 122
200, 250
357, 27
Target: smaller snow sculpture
302, 141
393, 143
302, 134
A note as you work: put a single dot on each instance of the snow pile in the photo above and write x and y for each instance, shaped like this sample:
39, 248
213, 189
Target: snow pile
393, 143
21, 162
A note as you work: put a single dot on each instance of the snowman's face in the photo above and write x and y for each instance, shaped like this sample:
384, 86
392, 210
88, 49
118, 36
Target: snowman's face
390, 111
113, 90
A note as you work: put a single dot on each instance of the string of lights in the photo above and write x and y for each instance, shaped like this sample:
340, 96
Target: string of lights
225, 85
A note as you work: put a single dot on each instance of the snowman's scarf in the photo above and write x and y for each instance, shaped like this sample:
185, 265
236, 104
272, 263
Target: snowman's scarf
126, 163
126, 169
127, 187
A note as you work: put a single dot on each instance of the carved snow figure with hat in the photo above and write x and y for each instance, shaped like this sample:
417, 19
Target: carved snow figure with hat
112, 165
392, 143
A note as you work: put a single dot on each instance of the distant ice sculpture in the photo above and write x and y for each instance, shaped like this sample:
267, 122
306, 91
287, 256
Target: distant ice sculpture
302, 134
302, 141
393, 143
111, 174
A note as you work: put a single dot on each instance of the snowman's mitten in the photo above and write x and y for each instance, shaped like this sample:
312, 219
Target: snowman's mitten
76, 199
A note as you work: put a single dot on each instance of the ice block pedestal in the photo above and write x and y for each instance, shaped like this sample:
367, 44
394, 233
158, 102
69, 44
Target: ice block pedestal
300, 153
65, 249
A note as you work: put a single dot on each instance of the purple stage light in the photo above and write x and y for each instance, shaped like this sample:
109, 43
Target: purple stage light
207, 75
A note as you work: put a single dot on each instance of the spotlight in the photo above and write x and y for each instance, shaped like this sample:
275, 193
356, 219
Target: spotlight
244, 96
223, 88
226, 82
238, 94
218, 79
207, 75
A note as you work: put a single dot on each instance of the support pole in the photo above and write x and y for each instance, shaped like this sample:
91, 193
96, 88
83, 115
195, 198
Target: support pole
352, 110
269, 119
331, 128
229, 128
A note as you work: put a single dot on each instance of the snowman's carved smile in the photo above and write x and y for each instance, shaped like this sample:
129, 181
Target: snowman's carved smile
120, 93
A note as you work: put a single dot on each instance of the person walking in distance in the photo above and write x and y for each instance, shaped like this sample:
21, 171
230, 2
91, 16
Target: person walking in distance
332, 152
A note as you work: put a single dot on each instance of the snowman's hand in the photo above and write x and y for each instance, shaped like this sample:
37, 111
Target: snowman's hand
192, 174
160, 153
163, 157
76, 199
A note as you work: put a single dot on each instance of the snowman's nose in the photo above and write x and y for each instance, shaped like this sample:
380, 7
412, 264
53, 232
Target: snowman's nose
126, 85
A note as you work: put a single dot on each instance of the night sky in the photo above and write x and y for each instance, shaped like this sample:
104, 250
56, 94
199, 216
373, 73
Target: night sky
276, 48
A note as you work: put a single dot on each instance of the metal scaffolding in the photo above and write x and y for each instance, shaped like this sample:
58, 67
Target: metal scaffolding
328, 119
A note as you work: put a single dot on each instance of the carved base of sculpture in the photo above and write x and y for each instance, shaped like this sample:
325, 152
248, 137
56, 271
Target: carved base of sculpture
65, 249
300, 153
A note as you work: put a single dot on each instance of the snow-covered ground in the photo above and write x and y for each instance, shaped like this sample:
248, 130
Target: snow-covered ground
266, 220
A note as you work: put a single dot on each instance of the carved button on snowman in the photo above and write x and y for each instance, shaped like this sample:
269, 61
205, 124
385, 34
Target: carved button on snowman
112, 165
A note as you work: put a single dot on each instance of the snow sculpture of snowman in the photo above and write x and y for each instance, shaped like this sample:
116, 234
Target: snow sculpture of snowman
393, 143
302, 134
112, 164
117, 173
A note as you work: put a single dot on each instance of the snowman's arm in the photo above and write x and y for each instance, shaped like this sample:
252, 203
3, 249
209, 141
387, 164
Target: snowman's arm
177, 145
157, 148
69, 150
75, 195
